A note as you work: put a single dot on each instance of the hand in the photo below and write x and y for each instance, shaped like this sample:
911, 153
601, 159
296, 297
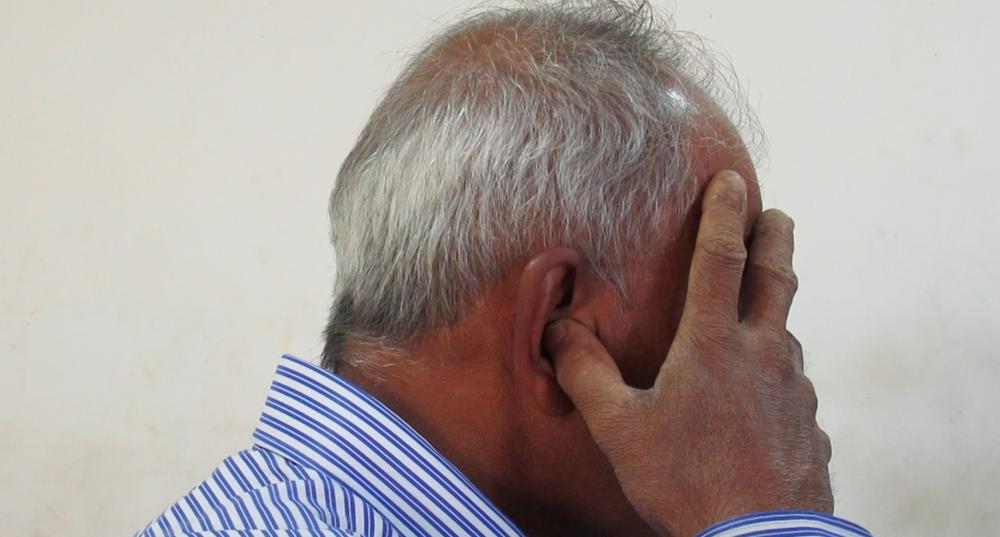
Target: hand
729, 427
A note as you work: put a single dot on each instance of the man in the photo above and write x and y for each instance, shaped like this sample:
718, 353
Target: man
546, 317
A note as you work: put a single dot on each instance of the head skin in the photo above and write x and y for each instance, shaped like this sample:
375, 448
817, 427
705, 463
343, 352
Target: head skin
484, 393
482, 390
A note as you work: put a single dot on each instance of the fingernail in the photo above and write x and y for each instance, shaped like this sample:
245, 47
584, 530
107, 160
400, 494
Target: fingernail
554, 335
735, 196
736, 181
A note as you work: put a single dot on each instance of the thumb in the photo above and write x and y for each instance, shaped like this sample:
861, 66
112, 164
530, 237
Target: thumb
585, 371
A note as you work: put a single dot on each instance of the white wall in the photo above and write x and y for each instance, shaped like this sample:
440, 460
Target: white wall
163, 179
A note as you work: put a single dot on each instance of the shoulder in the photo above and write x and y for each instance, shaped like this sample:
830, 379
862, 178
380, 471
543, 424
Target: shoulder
256, 492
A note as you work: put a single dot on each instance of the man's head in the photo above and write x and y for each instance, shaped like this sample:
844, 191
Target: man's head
528, 165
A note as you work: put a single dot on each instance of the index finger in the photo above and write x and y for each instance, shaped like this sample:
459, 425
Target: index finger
719, 253
585, 371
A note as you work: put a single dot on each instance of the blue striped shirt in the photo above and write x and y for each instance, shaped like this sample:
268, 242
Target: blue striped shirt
330, 460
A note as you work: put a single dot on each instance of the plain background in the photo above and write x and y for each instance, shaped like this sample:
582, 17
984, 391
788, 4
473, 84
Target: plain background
164, 172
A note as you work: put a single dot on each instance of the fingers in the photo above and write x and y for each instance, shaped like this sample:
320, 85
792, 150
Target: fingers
770, 281
585, 371
719, 256
825, 446
795, 353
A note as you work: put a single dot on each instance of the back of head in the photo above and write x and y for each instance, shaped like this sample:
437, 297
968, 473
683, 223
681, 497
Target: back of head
513, 130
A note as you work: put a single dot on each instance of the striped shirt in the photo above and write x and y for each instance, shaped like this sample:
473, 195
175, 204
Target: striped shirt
330, 460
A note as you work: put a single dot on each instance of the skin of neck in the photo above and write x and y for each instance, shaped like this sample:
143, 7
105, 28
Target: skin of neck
452, 388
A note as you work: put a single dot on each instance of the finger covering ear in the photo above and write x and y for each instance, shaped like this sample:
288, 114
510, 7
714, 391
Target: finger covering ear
584, 369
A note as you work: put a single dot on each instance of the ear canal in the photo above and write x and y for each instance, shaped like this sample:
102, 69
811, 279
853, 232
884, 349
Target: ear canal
567, 291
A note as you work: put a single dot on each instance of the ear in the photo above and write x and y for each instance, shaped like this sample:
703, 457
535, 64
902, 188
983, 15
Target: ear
554, 284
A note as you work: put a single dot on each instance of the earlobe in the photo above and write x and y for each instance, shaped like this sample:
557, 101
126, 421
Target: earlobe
551, 287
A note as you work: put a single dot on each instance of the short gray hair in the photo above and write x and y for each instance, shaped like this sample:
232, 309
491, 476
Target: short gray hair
515, 129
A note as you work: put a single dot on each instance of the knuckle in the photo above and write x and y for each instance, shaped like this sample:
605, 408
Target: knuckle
825, 446
794, 343
781, 369
790, 280
795, 350
781, 362
725, 249
782, 275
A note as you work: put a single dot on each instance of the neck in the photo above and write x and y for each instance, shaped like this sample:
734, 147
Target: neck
456, 402
464, 406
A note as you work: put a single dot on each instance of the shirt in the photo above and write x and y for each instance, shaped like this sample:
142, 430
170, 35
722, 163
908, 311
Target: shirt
331, 460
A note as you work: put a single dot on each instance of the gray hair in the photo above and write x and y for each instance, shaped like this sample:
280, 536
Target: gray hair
515, 129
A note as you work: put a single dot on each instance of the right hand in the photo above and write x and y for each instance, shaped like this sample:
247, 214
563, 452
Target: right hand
729, 427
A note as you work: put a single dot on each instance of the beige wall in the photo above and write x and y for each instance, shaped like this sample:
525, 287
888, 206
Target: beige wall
164, 170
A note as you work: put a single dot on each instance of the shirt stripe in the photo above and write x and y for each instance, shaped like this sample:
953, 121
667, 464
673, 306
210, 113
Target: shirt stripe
329, 460
786, 524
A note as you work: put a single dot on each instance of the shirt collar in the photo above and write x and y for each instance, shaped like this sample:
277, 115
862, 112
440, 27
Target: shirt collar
322, 421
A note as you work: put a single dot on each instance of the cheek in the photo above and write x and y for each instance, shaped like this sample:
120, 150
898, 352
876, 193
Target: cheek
645, 330
649, 323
